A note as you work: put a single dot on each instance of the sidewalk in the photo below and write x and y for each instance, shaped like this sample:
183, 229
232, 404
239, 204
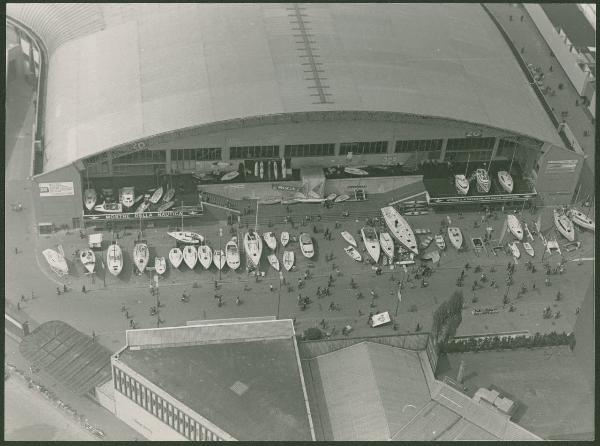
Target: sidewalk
534, 50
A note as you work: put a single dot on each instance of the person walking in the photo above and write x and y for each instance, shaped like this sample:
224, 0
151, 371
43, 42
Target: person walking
18, 306
271, 287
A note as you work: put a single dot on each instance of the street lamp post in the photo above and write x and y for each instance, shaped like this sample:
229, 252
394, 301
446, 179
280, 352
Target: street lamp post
220, 252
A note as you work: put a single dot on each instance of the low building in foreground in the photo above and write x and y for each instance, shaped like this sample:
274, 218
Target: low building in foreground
249, 379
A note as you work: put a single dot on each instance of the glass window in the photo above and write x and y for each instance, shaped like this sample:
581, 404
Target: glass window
309, 150
358, 148
470, 144
418, 145
253, 152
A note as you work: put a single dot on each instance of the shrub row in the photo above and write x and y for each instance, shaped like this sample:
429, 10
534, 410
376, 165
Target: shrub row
498, 343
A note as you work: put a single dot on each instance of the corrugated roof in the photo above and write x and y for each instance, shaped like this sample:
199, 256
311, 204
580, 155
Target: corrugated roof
157, 68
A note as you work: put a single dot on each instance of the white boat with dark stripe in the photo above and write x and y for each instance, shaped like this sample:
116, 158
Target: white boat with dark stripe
400, 228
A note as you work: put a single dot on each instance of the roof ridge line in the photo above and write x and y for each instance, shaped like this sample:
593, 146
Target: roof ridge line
387, 424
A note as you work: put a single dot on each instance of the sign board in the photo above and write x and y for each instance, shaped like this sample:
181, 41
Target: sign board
381, 319
482, 198
63, 189
561, 166
357, 186
145, 215
287, 187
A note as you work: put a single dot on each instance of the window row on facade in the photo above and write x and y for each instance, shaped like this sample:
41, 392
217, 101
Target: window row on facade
470, 144
253, 152
419, 145
363, 148
309, 150
161, 409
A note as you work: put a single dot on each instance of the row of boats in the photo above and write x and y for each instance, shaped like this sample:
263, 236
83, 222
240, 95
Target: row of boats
161, 198
462, 183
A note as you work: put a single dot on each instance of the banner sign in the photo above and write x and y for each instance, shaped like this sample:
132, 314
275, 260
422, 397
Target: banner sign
57, 189
561, 166
380, 319
358, 186
482, 198
287, 187
145, 215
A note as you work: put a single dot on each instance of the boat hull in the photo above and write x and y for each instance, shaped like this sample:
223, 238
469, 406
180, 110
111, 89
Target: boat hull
205, 256
506, 181
353, 253
160, 265
186, 237
455, 236
175, 257
270, 240
288, 260
285, 238
580, 219
462, 184
400, 228
528, 249
514, 226
141, 256
114, 259
515, 250
232, 255
371, 242
219, 259
273, 261
564, 226
56, 261
88, 259
387, 244
348, 237
253, 247
190, 256
306, 246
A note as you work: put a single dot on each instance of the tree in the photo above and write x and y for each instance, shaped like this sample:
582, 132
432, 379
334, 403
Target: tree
313, 334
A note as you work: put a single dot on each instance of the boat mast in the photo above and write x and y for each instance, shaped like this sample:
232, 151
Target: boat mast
181, 215
468, 159
512, 159
256, 219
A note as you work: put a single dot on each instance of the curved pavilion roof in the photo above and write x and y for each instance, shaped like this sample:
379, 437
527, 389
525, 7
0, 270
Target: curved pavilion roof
121, 72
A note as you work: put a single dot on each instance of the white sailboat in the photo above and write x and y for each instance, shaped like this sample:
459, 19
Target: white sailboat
166, 206
270, 240
355, 171
88, 259
400, 228
353, 253
283, 168
256, 168
160, 265
564, 225
528, 248
580, 219
348, 237
253, 247
169, 194
514, 226
331, 197
514, 249
232, 254
455, 236
370, 239
57, 261
306, 245
387, 244
175, 257
462, 184
156, 195
285, 238
186, 236
219, 258
141, 256
114, 259
205, 255
288, 259
230, 176
262, 170
89, 198
190, 256
273, 261
506, 181
341, 198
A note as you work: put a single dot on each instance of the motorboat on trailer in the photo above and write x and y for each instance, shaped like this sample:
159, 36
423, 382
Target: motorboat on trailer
564, 225
89, 198
455, 236
331, 197
205, 255
109, 208
270, 240
309, 200
355, 171
230, 176
514, 226
288, 259
141, 256
400, 228
348, 237
285, 238
253, 246
353, 253
483, 181
387, 244
190, 256
175, 257
114, 259
156, 195
232, 254
506, 181
273, 261
514, 249
219, 258
371, 241
580, 219
306, 245
440, 242
88, 259
528, 249
57, 261
462, 184
186, 236
160, 265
